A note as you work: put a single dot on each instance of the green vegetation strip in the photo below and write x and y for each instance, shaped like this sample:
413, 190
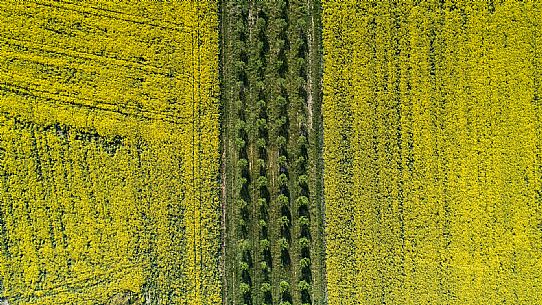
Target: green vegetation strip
272, 169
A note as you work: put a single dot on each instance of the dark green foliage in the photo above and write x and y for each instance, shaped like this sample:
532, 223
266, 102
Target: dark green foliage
272, 126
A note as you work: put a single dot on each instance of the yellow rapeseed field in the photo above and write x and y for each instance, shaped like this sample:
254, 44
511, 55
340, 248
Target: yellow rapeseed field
403, 167
433, 151
109, 152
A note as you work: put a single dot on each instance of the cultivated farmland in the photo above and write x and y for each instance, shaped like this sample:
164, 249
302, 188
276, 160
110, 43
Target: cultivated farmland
270, 152
272, 170
432, 151
109, 152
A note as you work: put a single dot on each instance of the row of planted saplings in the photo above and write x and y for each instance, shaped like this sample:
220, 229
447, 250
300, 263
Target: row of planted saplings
262, 190
298, 91
299, 70
243, 204
283, 198
244, 199
303, 220
263, 204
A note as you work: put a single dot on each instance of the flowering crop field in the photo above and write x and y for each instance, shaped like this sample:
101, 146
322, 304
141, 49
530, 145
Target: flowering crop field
109, 152
272, 152
432, 151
